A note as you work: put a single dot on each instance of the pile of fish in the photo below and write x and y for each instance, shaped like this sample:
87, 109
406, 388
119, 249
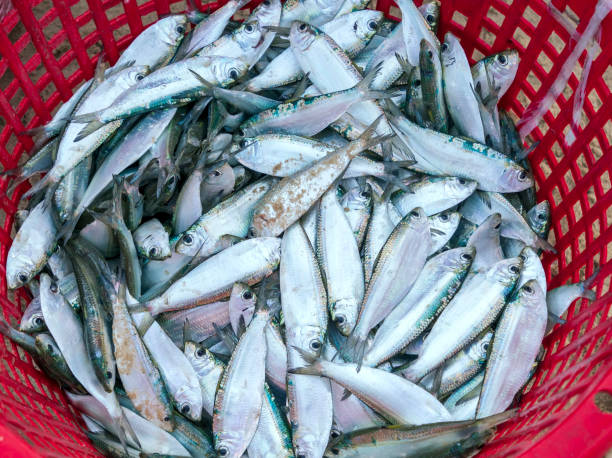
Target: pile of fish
310, 233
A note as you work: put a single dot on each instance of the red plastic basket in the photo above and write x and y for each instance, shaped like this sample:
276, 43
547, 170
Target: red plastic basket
47, 49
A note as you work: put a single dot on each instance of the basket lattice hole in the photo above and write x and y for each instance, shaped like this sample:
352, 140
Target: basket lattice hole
178, 7
495, 16
545, 62
604, 180
594, 98
534, 81
149, 18
607, 129
17, 97
556, 41
577, 209
595, 149
395, 12
54, 27
28, 51
70, 69
603, 401
87, 28
582, 165
556, 194
521, 38
142, 2
459, 19
532, 17
487, 36
567, 254
545, 168
569, 180
477, 55
564, 225
523, 99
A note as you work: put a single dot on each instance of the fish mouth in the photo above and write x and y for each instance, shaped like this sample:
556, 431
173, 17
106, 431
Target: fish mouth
260, 42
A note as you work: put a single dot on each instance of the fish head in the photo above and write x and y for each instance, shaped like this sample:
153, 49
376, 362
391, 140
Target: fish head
32, 321
250, 34
344, 312
539, 218
229, 444
427, 52
50, 293
156, 246
445, 222
303, 35
172, 29
219, 179
506, 272
531, 295
131, 76
366, 24
227, 70
478, 350
189, 401
431, 13
459, 188
515, 178
490, 228
20, 269
311, 339
503, 67
450, 49
359, 198
460, 259
46, 346
193, 240
202, 360
268, 12
241, 304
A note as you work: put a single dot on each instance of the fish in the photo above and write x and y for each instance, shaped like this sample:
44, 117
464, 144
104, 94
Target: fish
152, 240
432, 86
559, 299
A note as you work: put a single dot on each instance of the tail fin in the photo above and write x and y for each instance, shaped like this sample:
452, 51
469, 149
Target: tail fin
123, 426
312, 366
589, 281
355, 346
527, 151
46, 181
544, 245
92, 124
364, 87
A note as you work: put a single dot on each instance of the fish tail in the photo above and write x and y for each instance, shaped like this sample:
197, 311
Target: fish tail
91, 126
65, 232
46, 131
554, 319
355, 346
46, 181
544, 245
123, 428
527, 151
494, 420
589, 281
589, 294
312, 366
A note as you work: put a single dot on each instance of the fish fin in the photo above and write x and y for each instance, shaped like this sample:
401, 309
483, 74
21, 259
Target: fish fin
364, 86
589, 294
89, 129
301, 87
527, 151
241, 326
189, 334
227, 337
310, 368
277, 29
65, 231
103, 217
345, 394
46, 131
437, 382
406, 67
486, 199
99, 70
140, 307
554, 319
435, 231
41, 185
589, 281
544, 245
19, 180
355, 347
202, 80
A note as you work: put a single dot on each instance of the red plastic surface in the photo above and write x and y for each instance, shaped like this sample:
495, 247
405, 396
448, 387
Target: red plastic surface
567, 411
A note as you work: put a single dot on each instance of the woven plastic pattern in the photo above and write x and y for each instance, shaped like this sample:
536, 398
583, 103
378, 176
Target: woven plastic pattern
48, 48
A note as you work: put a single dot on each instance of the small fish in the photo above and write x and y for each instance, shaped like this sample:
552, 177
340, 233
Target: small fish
152, 240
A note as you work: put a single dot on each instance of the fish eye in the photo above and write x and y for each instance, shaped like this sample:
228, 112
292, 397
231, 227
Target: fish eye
139, 76
215, 173
335, 451
340, 320
53, 288
180, 29
222, 451
485, 347
22, 277
502, 59
430, 19
355, 27
542, 217
514, 269
233, 74
152, 252
303, 27
252, 232
244, 143
247, 295
372, 25
528, 289
444, 47
522, 175
109, 374
50, 348
365, 194
266, 2
301, 455
429, 54
187, 239
171, 180
166, 418
315, 345
185, 409
38, 321
444, 217
414, 214
497, 226
466, 257
249, 28
335, 434
200, 352
462, 181
417, 83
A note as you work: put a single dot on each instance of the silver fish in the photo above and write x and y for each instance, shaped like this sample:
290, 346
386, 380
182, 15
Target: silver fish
152, 240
